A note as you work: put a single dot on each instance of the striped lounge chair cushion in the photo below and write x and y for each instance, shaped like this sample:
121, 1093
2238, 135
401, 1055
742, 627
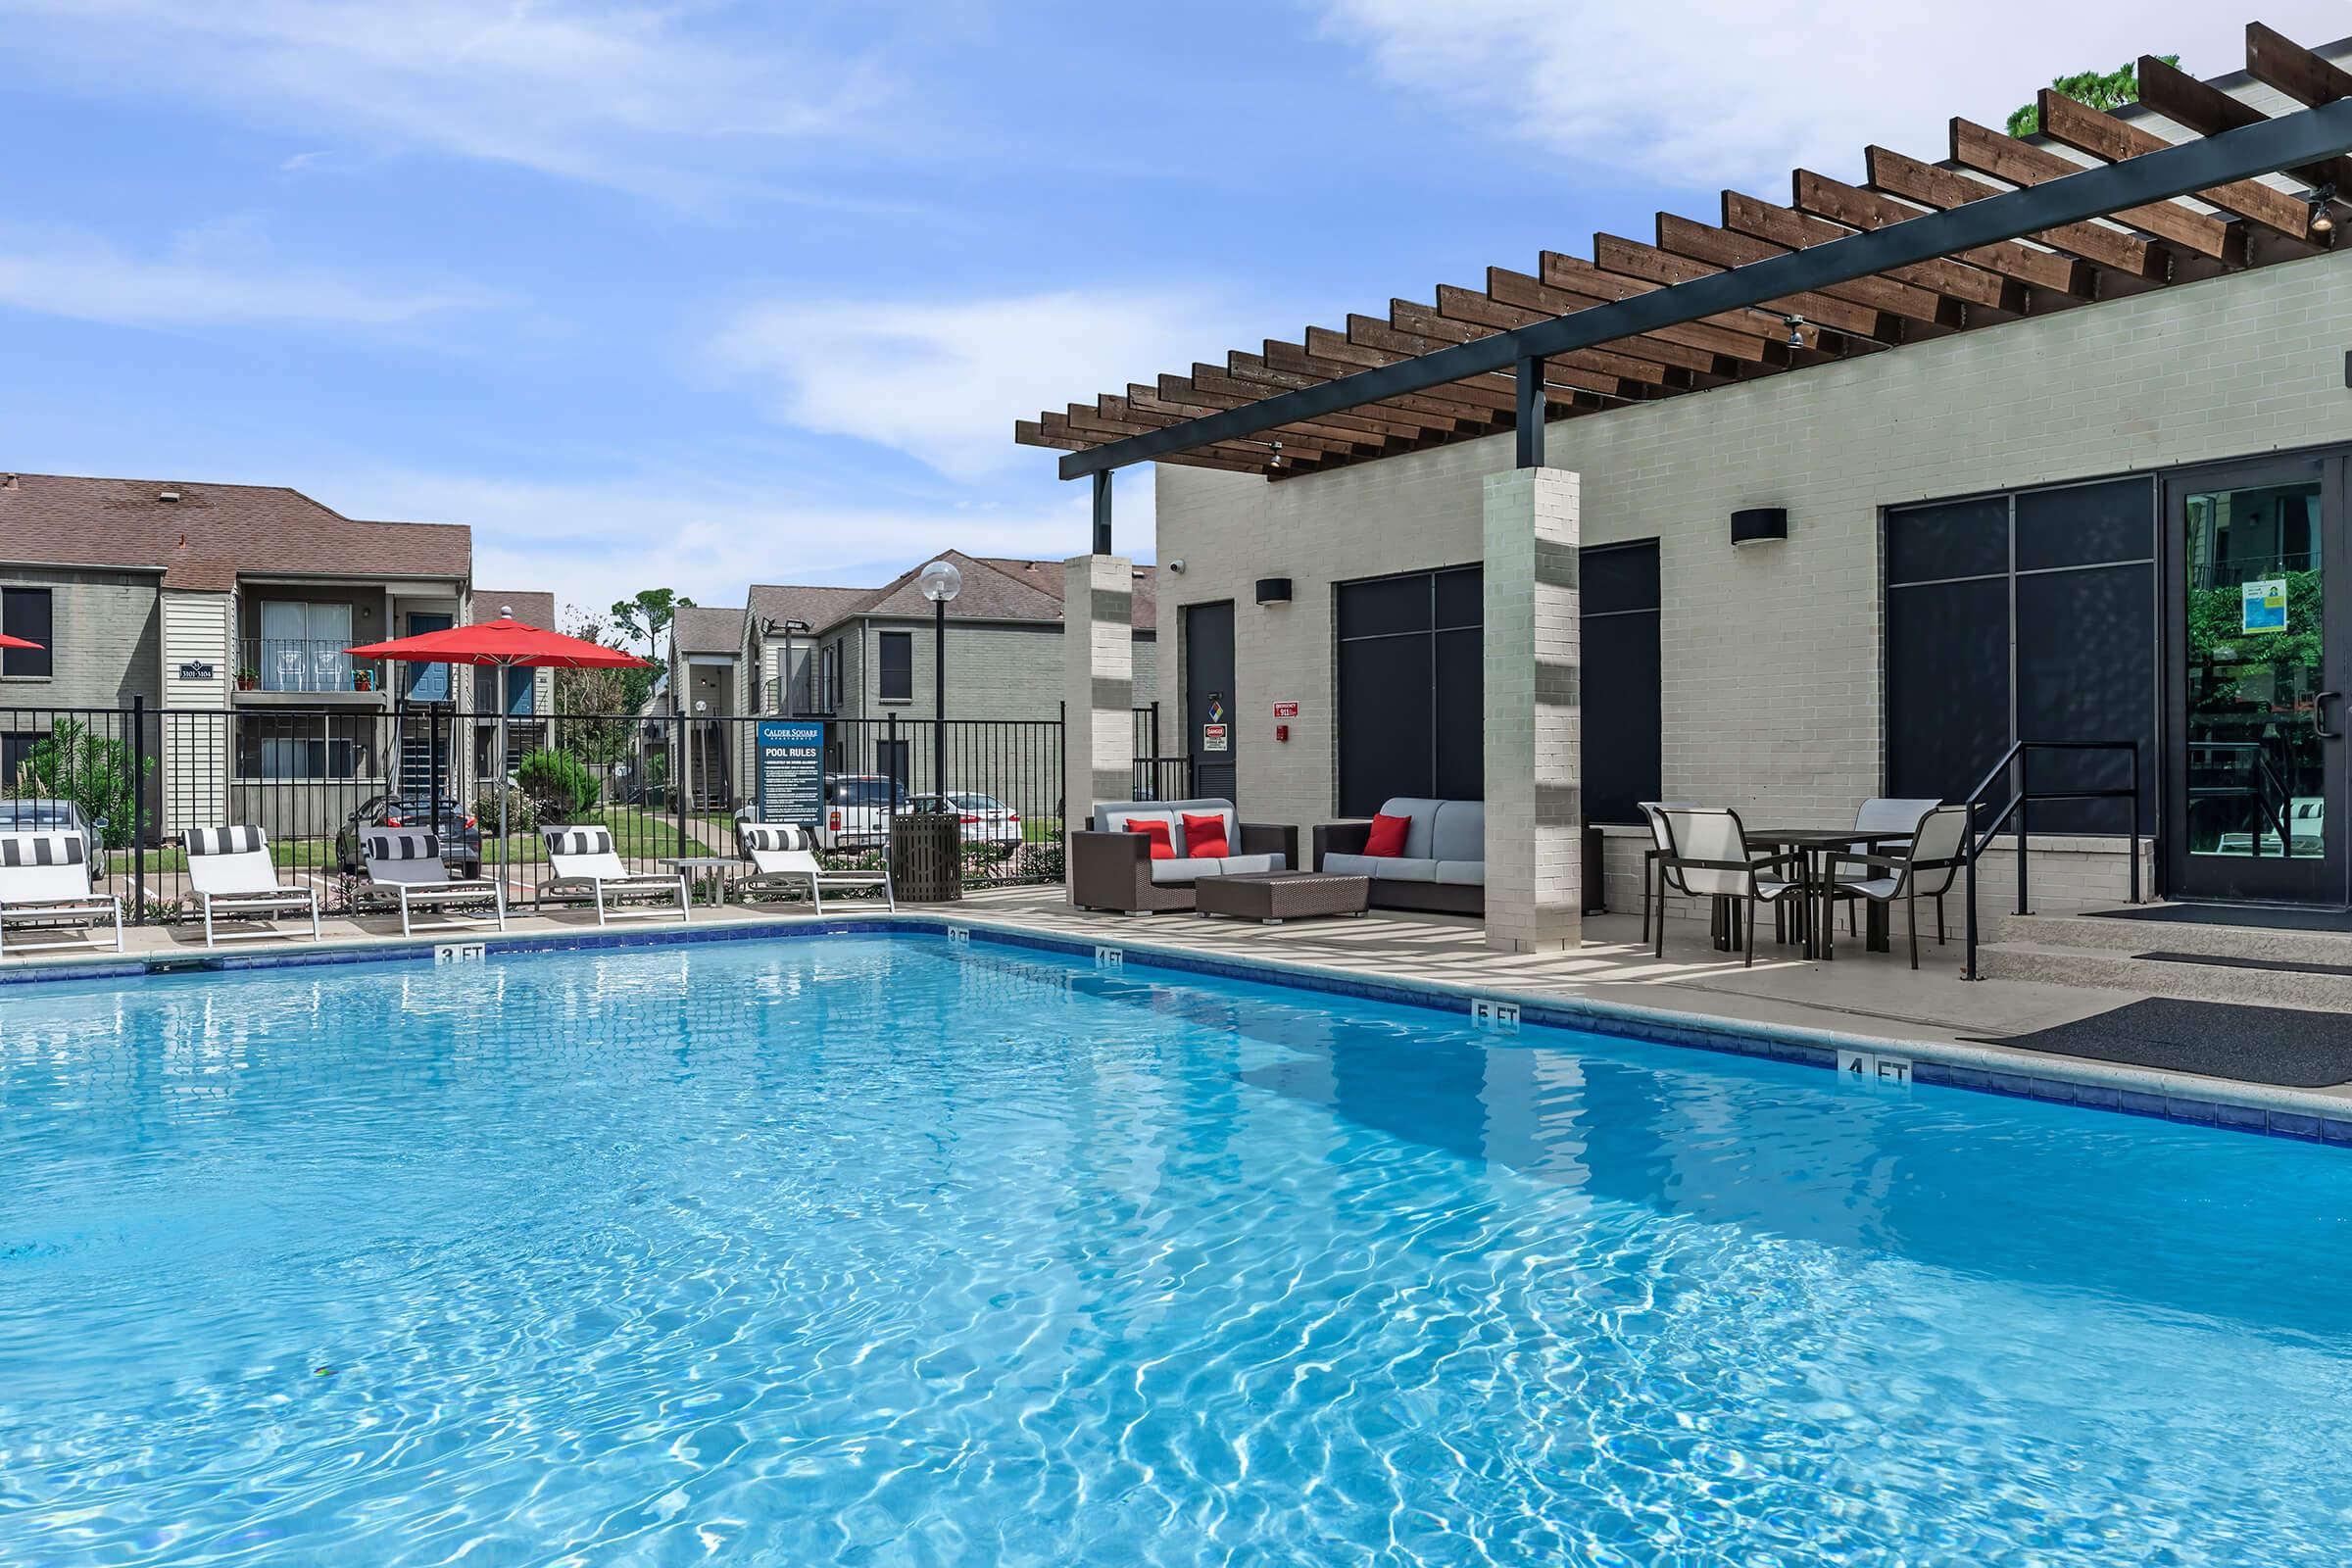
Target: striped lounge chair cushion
238, 839
40, 849
405, 844
578, 841
772, 836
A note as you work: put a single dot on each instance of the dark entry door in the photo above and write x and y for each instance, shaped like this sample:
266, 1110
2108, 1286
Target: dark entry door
1212, 725
2255, 683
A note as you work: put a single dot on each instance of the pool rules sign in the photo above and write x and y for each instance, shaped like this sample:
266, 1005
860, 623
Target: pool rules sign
792, 772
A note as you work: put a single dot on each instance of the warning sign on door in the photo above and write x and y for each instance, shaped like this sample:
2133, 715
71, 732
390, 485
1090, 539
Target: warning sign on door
1212, 738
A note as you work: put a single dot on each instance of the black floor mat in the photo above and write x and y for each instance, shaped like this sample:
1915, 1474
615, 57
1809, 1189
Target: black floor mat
2268, 918
2282, 1046
2266, 965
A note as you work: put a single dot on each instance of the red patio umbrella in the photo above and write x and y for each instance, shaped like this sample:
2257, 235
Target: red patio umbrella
6, 641
502, 644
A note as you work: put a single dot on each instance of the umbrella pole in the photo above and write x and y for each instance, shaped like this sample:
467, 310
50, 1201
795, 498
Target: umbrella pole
501, 760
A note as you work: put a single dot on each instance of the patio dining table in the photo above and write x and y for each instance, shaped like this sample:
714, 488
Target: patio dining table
1817, 849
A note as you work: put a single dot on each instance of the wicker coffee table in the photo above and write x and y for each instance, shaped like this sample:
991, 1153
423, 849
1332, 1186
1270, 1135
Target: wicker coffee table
1273, 896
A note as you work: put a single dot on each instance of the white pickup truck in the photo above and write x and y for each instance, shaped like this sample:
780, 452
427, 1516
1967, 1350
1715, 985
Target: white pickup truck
857, 811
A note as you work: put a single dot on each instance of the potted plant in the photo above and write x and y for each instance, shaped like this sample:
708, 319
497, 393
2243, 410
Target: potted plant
248, 678
363, 678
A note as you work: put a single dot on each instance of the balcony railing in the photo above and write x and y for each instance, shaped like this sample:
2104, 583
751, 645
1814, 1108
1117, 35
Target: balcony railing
301, 665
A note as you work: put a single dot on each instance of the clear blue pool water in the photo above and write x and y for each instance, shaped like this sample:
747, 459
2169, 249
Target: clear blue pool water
857, 1250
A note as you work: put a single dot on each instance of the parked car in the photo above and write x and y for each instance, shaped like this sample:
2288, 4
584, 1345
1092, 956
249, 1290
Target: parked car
985, 819
39, 815
460, 839
857, 811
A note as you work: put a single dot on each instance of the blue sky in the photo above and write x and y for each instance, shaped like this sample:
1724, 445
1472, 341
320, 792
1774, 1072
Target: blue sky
709, 293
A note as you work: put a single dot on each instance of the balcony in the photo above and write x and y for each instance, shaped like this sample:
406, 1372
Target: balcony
303, 667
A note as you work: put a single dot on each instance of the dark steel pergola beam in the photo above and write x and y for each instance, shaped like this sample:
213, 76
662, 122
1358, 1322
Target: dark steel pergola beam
2307, 136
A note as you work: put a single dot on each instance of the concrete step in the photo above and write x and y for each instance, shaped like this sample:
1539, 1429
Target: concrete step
2257, 943
2254, 982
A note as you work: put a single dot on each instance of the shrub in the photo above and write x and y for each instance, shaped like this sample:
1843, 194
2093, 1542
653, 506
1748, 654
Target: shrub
560, 786
522, 812
72, 764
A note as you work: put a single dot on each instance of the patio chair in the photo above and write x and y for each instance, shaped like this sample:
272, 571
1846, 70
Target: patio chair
1883, 813
1926, 870
1706, 856
45, 880
405, 866
234, 878
582, 861
782, 856
1659, 844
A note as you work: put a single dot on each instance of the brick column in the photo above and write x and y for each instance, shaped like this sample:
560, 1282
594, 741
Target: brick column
1535, 808
1097, 654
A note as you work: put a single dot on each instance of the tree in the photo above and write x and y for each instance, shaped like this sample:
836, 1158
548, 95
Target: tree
612, 696
2100, 89
648, 613
74, 763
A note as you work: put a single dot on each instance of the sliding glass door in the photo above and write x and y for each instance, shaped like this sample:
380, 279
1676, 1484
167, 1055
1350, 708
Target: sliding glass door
2257, 671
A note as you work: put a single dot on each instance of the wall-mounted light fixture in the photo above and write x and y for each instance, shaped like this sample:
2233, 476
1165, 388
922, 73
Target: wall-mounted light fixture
2323, 219
1273, 590
1759, 526
1177, 565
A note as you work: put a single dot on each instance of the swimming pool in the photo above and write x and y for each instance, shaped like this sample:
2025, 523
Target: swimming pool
871, 1250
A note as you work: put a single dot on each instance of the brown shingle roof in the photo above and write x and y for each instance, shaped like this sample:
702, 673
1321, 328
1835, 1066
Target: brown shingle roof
818, 606
532, 610
214, 532
1046, 574
700, 629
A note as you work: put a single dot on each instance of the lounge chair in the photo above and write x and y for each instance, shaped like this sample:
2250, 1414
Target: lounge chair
45, 880
230, 870
404, 866
782, 856
582, 860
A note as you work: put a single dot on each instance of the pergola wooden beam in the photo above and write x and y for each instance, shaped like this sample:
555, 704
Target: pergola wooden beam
1251, 452
2127, 256
1984, 296
2065, 276
2205, 108
1209, 388
2017, 163
1680, 369
1034, 433
1737, 337
2110, 139
1427, 320
1631, 258
1723, 249
1119, 412
2278, 61
1398, 423
1311, 360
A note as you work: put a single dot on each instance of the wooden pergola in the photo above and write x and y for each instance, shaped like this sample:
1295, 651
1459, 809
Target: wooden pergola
2005, 228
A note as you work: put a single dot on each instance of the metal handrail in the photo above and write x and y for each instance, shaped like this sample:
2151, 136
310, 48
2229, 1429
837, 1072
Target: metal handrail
1977, 843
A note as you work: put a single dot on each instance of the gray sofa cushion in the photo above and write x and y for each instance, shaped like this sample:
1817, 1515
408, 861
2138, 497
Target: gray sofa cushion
1186, 869
1382, 868
1463, 874
1460, 832
1114, 818
1343, 864
1243, 864
1423, 817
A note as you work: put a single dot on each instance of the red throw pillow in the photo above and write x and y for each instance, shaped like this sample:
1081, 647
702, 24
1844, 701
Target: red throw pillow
1163, 848
1205, 836
1386, 838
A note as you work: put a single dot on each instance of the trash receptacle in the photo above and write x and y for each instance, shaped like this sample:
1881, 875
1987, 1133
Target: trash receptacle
927, 856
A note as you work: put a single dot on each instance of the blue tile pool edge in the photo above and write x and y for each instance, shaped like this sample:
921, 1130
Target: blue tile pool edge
2126, 1091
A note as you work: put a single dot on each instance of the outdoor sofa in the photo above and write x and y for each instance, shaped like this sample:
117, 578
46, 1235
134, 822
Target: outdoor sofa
1111, 868
1442, 868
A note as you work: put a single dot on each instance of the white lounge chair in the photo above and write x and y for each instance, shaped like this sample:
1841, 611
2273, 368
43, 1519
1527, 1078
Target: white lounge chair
230, 870
783, 855
45, 880
404, 866
582, 859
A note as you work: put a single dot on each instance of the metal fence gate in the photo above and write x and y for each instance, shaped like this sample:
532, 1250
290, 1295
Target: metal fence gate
131, 780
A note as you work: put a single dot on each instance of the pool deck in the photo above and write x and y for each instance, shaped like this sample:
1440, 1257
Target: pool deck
1861, 999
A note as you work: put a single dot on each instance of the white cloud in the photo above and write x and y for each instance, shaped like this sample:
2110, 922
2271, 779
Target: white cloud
1738, 91
613, 94
215, 275
593, 543
945, 382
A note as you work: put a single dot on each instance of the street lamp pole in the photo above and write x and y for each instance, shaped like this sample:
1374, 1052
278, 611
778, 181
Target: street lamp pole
942, 583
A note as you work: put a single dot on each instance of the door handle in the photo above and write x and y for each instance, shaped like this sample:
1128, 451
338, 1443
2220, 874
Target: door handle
2319, 716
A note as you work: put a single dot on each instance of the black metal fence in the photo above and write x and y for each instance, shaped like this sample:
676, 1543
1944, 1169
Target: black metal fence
667, 787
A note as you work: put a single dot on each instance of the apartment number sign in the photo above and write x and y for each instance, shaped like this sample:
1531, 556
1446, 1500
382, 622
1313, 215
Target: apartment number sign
195, 669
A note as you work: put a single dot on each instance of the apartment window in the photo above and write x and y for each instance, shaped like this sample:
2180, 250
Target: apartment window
895, 655
24, 612
290, 749
301, 648
1412, 717
2024, 616
1619, 749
